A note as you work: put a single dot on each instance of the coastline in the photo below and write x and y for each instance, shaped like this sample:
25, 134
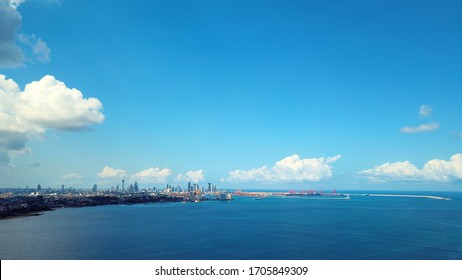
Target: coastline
24, 215
21, 206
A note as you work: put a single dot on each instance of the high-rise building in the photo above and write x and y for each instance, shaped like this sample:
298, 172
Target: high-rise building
189, 187
39, 188
210, 187
95, 188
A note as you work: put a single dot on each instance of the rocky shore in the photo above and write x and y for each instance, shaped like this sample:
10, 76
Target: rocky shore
18, 206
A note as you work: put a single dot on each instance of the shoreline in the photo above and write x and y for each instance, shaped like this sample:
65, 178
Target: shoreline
24, 215
36, 206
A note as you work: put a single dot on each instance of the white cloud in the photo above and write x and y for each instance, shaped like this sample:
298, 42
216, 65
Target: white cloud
49, 103
398, 171
37, 46
15, 3
71, 176
261, 174
428, 127
289, 169
12, 54
152, 175
425, 111
109, 172
434, 170
441, 170
44, 104
71, 179
194, 176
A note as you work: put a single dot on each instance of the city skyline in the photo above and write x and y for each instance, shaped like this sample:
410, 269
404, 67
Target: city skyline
261, 95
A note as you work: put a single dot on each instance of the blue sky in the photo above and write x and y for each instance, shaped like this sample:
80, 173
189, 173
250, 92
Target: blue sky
266, 94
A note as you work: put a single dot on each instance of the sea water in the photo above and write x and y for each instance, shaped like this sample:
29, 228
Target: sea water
273, 228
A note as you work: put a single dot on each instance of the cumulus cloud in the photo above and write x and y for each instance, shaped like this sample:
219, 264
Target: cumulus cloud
50, 103
425, 111
398, 171
12, 143
152, 175
288, 169
428, 127
44, 104
10, 21
261, 174
434, 170
109, 172
194, 176
442, 170
12, 53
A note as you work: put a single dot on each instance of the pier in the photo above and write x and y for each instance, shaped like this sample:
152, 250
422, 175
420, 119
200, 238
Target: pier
412, 195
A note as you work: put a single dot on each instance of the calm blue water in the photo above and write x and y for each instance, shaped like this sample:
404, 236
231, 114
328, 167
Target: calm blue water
274, 228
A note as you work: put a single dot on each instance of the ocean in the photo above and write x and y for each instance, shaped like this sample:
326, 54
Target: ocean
361, 228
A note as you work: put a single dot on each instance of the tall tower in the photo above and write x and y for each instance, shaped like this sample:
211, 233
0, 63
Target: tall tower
123, 181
